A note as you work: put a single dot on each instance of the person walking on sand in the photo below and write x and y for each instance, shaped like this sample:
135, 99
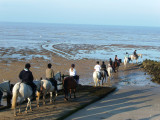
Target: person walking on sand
73, 73
27, 77
97, 68
50, 76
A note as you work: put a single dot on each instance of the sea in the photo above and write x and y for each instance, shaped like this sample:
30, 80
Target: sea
115, 40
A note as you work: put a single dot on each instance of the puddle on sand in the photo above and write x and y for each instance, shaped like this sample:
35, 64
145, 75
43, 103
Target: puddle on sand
136, 79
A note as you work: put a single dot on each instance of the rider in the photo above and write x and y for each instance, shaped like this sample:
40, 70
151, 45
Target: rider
116, 59
111, 64
127, 56
27, 78
135, 54
103, 67
73, 73
97, 68
50, 76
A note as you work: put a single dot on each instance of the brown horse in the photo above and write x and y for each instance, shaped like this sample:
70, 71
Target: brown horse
68, 84
116, 65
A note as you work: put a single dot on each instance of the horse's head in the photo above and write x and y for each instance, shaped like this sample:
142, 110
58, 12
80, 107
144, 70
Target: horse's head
5, 86
140, 55
58, 76
38, 84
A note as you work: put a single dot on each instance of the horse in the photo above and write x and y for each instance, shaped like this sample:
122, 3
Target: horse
110, 71
69, 83
96, 78
115, 65
24, 91
103, 75
126, 60
47, 87
5, 87
133, 57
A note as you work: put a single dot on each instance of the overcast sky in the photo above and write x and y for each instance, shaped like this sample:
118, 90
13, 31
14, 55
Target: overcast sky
103, 12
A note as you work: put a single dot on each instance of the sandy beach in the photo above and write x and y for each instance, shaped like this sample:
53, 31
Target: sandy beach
10, 68
123, 80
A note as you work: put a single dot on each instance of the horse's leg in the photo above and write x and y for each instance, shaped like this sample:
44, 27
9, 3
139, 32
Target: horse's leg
27, 106
30, 106
70, 92
74, 93
51, 95
19, 107
44, 98
66, 94
37, 98
15, 113
55, 96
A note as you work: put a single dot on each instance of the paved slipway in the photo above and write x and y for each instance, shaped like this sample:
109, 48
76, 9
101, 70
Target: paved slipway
136, 98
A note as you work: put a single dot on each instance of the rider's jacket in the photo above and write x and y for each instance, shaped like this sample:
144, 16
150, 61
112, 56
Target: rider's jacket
26, 76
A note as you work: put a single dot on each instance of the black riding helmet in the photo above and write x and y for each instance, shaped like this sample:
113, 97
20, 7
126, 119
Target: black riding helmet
27, 65
73, 65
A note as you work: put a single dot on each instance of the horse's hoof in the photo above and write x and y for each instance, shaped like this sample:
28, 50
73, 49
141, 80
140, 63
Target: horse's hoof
15, 115
26, 111
31, 110
66, 99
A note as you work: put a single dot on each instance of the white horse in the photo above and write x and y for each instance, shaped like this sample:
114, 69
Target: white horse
24, 91
126, 60
47, 87
134, 58
5, 87
96, 78
110, 71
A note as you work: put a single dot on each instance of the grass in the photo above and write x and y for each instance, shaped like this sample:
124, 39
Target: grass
153, 68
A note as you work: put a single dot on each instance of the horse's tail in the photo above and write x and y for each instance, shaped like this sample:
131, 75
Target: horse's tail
15, 95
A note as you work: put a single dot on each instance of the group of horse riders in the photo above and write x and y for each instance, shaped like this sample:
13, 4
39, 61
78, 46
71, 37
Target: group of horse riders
134, 53
27, 77
99, 68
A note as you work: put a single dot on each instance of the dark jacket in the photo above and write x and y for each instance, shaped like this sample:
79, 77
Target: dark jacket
103, 67
110, 62
26, 76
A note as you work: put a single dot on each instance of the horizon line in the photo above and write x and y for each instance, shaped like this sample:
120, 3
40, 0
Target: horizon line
78, 24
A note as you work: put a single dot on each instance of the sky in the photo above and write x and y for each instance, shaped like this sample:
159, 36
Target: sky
98, 12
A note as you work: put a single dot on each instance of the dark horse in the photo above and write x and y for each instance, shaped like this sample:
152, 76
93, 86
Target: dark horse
68, 84
116, 65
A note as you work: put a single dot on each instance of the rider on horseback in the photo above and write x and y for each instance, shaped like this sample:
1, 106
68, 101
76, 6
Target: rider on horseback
50, 76
27, 78
117, 60
127, 56
97, 68
73, 73
111, 64
103, 67
135, 54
